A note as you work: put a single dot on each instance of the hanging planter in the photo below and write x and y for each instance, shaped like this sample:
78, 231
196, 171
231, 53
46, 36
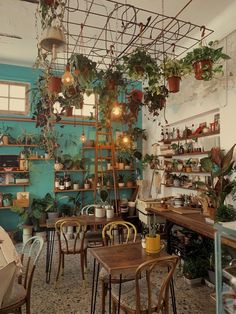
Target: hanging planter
174, 84
54, 84
201, 67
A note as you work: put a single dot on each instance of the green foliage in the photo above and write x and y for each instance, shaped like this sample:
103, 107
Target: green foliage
225, 213
195, 267
155, 100
207, 52
175, 67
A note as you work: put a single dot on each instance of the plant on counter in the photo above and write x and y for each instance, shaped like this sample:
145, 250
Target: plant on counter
220, 166
173, 70
7, 199
205, 60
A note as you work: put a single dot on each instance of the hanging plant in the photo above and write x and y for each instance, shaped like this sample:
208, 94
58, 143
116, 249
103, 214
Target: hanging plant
173, 70
50, 11
205, 60
140, 65
155, 101
114, 78
83, 69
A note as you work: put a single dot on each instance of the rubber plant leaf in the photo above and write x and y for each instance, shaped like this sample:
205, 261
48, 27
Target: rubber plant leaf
207, 164
216, 156
226, 162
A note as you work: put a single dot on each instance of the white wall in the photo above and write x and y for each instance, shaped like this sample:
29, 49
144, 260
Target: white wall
196, 97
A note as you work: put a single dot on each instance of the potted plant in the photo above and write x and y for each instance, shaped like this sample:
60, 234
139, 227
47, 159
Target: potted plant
7, 199
173, 70
86, 184
121, 183
130, 181
76, 203
155, 101
151, 160
52, 206
153, 240
194, 269
188, 165
100, 208
220, 166
205, 60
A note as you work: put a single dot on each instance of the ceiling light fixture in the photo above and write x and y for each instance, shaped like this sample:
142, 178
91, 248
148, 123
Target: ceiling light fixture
67, 78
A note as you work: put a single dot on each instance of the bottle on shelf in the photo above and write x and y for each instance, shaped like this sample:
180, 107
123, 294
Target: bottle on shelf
57, 183
162, 134
66, 182
167, 135
61, 184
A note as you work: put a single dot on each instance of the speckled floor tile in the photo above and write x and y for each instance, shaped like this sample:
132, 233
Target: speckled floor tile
69, 296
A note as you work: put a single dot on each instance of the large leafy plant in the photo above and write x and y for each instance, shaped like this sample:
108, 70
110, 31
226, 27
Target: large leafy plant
207, 52
220, 166
175, 67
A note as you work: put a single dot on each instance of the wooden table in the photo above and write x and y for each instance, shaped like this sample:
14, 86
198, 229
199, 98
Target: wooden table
195, 222
89, 220
117, 258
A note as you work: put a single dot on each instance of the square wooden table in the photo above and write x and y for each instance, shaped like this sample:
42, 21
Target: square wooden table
117, 258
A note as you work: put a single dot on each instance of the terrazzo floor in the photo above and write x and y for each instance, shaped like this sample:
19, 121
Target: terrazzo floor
71, 297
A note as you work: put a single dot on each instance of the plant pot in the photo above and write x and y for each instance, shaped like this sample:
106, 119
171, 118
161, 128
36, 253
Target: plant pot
176, 182
129, 184
211, 275
121, 184
180, 167
111, 84
6, 202
48, 2
143, 242
100, 212
193, 282
54, 84
188, 169
201, 67
153, 244
42, 219
132, 211
86, 186
173, 84
69, 111
52, 215
76, 186
110, 213
5, 140
127, 167
58, 166
121, 166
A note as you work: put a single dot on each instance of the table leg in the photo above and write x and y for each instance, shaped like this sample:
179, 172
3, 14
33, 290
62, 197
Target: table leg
109, 288
167, 230
172, 292
49, 253
94, 286
119, 293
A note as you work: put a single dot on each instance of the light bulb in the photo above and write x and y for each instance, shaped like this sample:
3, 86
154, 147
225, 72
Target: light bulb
82, 137
125, 139
67, 78
116, 111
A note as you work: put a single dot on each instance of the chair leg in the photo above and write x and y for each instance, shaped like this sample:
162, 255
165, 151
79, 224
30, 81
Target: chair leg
104, 292
59, 266
82, 264
63, 264
86, 258
113, 307
27, 306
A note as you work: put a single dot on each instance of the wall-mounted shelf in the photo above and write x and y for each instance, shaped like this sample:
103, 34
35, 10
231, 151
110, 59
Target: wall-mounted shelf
186, 154
5, 207
14, 171
116, 170
64, 170
190, 173
190, 137
19, 145
15, 184
69, 191
35, 159
182, 187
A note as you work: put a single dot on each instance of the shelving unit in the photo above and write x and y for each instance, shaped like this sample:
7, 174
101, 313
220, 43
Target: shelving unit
190, 137
227, 230
19, 145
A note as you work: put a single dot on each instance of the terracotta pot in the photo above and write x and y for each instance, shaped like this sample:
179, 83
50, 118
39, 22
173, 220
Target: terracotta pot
173, 84
54, 84
111, 84
5, 139
48, 2
69, 111
200, 67
129, 184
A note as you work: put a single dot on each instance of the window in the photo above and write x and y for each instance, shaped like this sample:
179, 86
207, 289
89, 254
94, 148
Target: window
14, 98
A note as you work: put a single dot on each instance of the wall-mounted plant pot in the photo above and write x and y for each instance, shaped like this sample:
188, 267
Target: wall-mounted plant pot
180, 167
111, 84
6, 202
76, 186
173, 84
69, 111
54, 84
176, 182
202, 67
127, 167
86, 186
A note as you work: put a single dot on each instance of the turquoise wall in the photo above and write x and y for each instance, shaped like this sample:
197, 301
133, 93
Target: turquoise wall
42, 171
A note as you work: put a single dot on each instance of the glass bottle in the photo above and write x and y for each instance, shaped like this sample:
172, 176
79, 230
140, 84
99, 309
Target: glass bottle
162, 134
56, 183
66, 182
61, 184
167, 135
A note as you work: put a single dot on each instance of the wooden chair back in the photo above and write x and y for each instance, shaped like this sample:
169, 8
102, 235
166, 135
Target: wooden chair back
165, 263
78, 234
127, 232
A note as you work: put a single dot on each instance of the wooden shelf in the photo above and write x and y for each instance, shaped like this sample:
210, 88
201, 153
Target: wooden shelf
5, 207
182, 187
186, 154
69, 191
116, 170
14, 171
20, 145
88, 147
190, 137
15, 184
191, 173
35, 159
64, 170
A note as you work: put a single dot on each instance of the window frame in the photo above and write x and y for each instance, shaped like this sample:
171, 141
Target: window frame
27, 101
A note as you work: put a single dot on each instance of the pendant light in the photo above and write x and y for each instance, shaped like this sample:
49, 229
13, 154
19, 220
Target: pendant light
116, 109
82, 136
67, 78
53, 39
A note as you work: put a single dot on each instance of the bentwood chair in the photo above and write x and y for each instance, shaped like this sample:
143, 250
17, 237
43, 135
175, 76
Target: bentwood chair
93, 237
118, 232
21, 292
149, 293
71, 246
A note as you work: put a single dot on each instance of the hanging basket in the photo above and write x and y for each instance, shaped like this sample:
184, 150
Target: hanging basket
173, 84
201, 67
54, 84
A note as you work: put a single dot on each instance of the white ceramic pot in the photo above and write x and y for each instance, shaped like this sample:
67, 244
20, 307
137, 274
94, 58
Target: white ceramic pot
180, 167
110, 213
121, 166
143, 242
121, 184
75, 186
46, 156
100, 212
127, 167
52, 215
109, 166
86, 186
58, 166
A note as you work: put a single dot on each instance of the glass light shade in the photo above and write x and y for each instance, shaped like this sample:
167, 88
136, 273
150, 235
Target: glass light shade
67, 78
116, 110
82, 137
125, 139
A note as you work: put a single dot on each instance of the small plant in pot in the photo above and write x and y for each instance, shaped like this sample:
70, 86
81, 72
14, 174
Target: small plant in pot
100, 208
130, 181
7, 199
188, 165
205, 60
153, 240
173, 70
52, 208
121, 182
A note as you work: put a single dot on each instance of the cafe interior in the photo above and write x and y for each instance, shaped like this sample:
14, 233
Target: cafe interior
117, 162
